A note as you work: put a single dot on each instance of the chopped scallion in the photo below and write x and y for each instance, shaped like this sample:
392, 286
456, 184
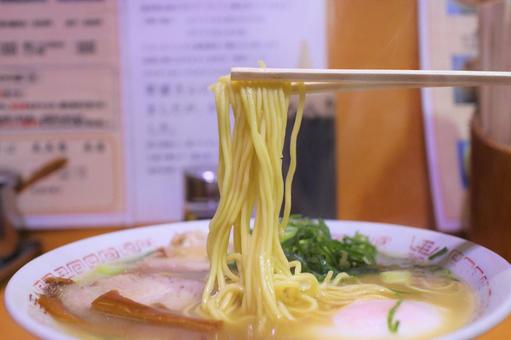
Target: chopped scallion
396, 276
392, 324
310, 242
439, 253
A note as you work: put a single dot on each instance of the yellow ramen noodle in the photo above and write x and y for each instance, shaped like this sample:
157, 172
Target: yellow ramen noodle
264, 286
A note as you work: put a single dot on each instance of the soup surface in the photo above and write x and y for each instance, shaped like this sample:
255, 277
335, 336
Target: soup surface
422, 301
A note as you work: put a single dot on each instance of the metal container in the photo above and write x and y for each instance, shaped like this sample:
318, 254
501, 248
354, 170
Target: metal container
201, 193
10, 217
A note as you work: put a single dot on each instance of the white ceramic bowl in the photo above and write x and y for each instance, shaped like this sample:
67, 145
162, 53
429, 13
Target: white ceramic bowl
486, 272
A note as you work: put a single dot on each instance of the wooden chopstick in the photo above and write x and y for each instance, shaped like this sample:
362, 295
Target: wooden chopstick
361, 77
318, 87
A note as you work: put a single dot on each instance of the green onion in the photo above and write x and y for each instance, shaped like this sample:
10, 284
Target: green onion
396, 276
310, 242
392, 324
439, 253
109, 269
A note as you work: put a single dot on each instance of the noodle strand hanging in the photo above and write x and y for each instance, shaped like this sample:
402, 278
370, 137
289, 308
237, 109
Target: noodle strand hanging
254, 280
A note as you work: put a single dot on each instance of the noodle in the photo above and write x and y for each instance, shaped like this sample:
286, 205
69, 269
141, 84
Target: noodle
266, 287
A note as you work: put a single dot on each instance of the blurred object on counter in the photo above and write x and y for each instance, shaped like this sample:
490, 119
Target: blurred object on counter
490, 192
10, 217
14, 252
495, 54
201, 193
490, 165
314, 183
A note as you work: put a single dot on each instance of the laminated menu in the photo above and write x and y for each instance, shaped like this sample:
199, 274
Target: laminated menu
120, 89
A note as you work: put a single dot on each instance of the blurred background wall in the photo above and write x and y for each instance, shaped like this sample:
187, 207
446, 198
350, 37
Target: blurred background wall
381, 160
153, 118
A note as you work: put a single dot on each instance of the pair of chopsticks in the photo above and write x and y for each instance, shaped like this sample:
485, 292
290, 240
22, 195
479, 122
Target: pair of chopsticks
322, 80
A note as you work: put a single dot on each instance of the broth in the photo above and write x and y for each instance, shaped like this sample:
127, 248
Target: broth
425, 287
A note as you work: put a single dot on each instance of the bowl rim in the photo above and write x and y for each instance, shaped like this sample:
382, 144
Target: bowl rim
24, 320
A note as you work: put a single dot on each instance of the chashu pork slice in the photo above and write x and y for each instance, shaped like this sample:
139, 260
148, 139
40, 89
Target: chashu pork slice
152, 289
185, 253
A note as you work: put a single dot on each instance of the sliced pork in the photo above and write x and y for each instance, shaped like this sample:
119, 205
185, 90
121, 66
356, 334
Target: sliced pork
150, 289
185, 253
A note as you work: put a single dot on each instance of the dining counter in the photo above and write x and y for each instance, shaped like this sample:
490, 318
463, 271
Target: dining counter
55, 238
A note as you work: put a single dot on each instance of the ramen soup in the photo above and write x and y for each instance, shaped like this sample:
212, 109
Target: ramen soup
260, 272
154, 296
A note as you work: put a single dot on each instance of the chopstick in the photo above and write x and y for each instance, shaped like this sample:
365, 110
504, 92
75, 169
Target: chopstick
317, 87
418, 78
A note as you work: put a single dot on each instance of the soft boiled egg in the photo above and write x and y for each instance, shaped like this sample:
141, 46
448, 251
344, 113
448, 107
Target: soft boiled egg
368, 319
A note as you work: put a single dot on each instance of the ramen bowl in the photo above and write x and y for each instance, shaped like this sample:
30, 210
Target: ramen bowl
488, 274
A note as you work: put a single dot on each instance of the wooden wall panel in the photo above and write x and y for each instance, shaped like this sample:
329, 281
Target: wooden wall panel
381, 162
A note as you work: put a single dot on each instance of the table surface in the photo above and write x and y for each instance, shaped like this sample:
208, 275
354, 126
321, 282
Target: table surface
53, 239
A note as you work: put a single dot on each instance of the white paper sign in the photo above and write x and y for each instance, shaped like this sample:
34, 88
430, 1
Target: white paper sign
121, 90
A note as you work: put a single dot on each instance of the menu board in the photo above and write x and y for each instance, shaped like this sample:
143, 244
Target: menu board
120, 88
448, 41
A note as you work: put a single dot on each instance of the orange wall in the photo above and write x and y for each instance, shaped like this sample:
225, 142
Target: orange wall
381, 162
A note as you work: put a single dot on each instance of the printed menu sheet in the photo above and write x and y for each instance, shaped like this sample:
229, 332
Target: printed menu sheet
120, 88
448, 41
